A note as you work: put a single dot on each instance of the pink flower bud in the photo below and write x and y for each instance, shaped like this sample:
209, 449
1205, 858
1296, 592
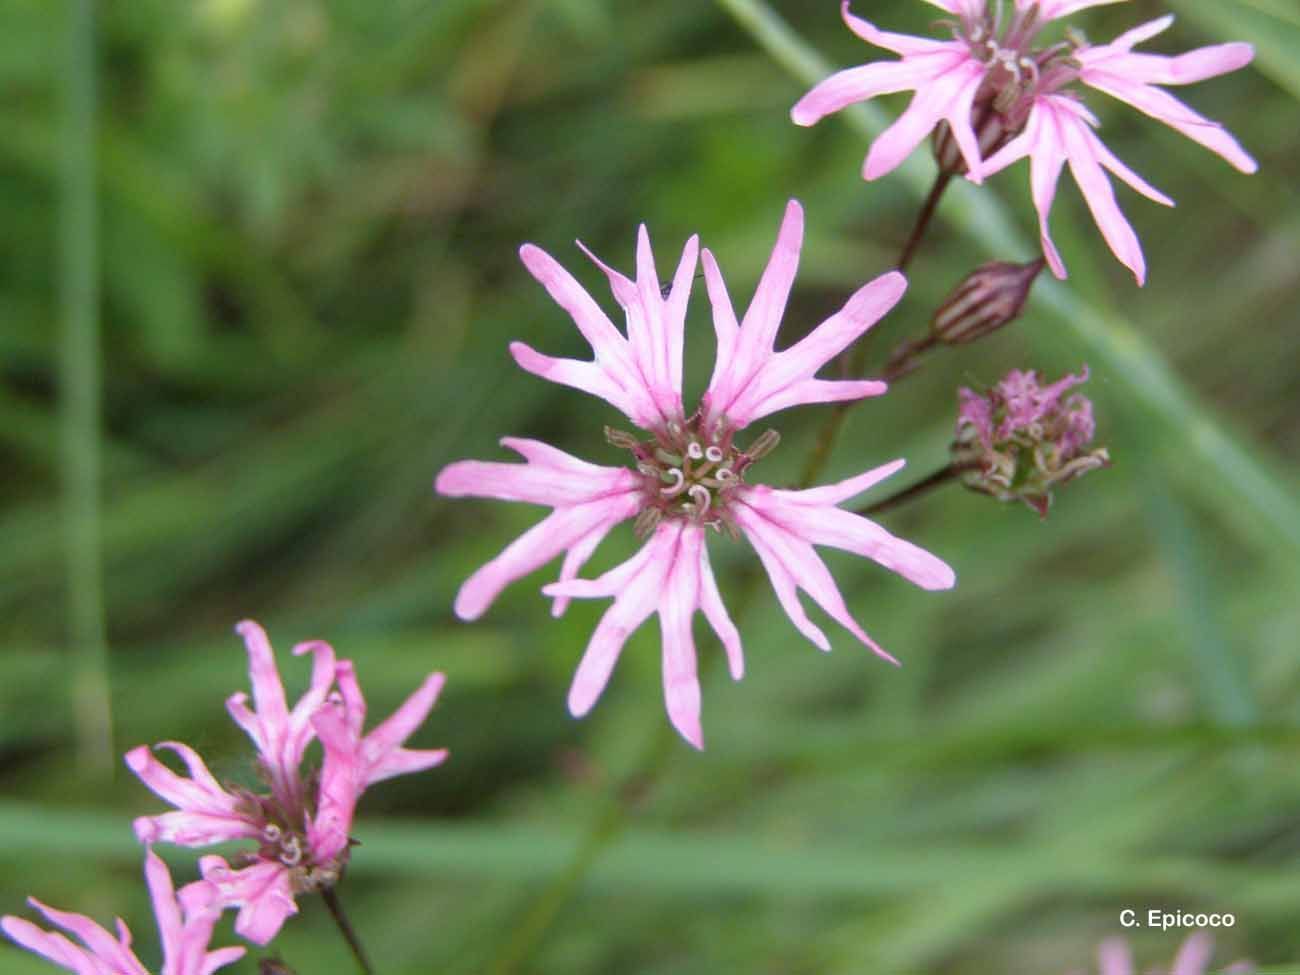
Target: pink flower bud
989, 297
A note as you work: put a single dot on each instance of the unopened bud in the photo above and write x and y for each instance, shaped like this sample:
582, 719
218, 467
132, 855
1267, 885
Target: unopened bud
1019, 440
989, 297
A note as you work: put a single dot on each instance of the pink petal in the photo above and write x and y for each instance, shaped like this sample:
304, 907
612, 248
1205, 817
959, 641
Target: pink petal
550, 477
939, 99
1055, 9
782, 370
165, 909
206, 812
1164, 107
901, 44
806, 391
268, 692
1194, 955
637, 583
263, 893
104, 949
786, 588
575, 558
677, 605
725, 325
1113, 957
715, 611
802, 567
758, 329
1191, 66
1099, 195
595, 326
860, 84
1048, 157
381, 748
824, 525
56, 948
560, 530
1127, 40
833, 494
586, 376
674, 313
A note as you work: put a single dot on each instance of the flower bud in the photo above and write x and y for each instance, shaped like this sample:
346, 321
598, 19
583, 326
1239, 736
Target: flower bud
989, 297
1020, 439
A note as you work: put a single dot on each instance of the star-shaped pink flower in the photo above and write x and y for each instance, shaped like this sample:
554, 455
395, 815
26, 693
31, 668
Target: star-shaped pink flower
185, 924
301, 824
689, 472
1002, 96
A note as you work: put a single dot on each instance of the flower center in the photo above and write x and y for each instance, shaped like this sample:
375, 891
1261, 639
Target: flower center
690, 473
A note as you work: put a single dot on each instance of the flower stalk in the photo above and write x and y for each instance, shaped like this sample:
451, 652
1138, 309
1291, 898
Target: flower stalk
331, 898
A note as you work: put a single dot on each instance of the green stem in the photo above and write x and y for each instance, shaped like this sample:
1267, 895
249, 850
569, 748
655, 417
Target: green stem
922, 487
331, 898
79, 385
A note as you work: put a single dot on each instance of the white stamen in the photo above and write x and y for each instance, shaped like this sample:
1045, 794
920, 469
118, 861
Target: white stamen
714, 454
292, 855
695, 451
702, 498
724, 474
676, 486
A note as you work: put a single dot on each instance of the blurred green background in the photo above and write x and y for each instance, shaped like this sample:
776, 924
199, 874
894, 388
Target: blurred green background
303, 217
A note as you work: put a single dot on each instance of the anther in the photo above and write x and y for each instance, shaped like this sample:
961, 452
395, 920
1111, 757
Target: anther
694, 451
272, 833
724, 475
714, 454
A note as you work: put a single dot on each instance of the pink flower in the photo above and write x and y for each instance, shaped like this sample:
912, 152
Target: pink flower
301, 824
690, 475
1001, 99
184, 924
1019, 440
1193, 958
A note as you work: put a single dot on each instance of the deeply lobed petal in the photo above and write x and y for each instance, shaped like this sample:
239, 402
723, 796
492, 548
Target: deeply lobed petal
751, 379
640, 374
783, 527
206, 813
670, 576
353, 762
281, 735
588, 499
263, 894
185, 927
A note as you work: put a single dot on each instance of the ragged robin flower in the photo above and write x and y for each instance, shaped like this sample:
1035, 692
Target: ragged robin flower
994, 92
1021, 439
185, 923
688, 475
301, 819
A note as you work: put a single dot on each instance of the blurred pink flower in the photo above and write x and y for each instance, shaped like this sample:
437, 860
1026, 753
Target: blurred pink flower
690, 472
185, 926
1001, 98
1193, 958
301, 825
